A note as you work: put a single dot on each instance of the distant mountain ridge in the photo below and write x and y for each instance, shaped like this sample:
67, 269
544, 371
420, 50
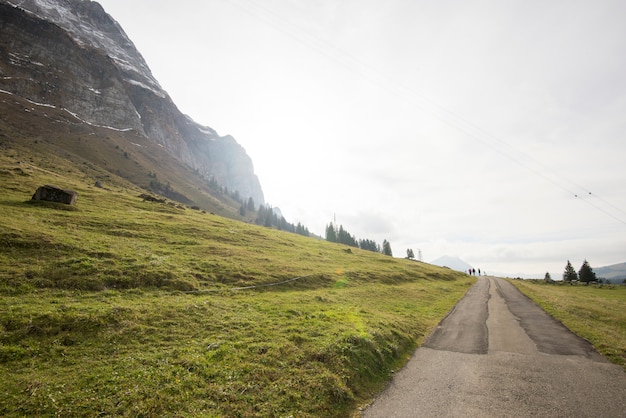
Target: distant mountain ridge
615, 273
453, 263
71, 54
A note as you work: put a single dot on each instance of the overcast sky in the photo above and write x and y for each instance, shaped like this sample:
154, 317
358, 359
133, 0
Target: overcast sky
493, 131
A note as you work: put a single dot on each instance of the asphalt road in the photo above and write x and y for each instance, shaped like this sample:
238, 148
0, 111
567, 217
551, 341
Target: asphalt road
497, 354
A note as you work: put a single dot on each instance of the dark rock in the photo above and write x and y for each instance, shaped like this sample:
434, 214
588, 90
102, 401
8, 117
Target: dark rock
148, 198
55, 194
99, 184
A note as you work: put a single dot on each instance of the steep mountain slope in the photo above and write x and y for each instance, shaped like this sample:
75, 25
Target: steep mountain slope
103, 155
70, 54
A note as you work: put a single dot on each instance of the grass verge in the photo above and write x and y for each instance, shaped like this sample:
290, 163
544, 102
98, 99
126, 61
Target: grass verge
284, 352
596, 312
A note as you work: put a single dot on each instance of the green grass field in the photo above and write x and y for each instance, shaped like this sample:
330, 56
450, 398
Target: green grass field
125, 307
596, 313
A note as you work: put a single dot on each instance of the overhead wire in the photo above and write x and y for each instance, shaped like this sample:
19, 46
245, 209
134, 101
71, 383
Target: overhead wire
421, 101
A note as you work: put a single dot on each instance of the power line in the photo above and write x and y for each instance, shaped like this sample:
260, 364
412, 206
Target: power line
600, 209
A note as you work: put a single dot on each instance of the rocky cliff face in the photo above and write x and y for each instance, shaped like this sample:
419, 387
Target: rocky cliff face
71, 54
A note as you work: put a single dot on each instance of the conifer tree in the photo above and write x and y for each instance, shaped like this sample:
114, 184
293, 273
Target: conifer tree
341, 235
269, 218
302, 230
369, 245
387, 248
261, 215
569, 274
410, 254
331, 234
284, 225
344, 237
250, 205
586, 273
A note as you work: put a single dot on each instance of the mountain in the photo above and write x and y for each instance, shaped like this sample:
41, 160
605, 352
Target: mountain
454, 263
615, 273
70, 55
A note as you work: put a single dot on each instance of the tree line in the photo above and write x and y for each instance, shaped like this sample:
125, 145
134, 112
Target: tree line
266, 216
342, 236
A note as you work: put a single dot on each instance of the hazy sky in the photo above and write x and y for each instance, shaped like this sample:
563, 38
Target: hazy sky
494, 131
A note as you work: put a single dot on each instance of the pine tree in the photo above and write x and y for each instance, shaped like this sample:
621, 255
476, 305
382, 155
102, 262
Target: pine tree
331, 234
569, 275
261, 215
369, 245
250, 206
342, 235
387, 248
410, 254
302, 230
269, 218
586, 273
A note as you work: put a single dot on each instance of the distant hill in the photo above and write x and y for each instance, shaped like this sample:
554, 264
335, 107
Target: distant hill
454, 263
615, 273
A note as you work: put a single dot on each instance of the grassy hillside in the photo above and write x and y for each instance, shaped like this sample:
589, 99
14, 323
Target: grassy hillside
131, 308
596, 313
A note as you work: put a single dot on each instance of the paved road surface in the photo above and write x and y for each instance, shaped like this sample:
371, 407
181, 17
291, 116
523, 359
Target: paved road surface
497, 354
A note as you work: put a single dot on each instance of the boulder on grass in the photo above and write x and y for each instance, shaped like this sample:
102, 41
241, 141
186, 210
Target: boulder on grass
55, 194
